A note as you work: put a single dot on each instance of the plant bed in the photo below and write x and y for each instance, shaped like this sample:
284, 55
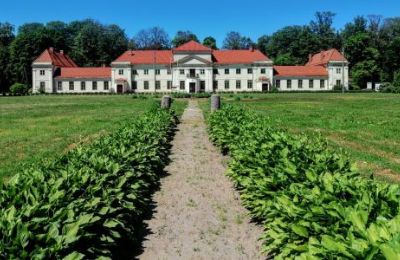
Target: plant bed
311, 200
88, 202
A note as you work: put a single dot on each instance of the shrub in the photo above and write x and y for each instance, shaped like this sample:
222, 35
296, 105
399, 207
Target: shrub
19, 89
312, 202
90, 201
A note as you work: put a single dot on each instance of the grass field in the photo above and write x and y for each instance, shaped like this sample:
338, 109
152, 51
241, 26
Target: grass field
366, 125
42, 127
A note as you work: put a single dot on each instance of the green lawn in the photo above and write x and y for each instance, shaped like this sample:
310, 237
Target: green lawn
42, 127
366, 125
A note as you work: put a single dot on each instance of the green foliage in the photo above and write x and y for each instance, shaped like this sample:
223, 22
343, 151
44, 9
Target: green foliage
19, 89
190, 95
89, 200
210, 42
183, 37
312, 202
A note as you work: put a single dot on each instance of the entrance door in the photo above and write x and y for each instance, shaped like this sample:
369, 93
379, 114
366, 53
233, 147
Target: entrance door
265, 87
120, 89
192, 87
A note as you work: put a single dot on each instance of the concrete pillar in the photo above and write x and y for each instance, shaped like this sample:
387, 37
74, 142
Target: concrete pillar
215, 102
166, 102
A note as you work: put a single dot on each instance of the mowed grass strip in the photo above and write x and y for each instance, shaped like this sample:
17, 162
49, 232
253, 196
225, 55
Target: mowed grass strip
366, 125
36, 128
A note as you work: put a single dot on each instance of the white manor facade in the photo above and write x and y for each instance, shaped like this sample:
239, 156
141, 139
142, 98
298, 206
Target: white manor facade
190, 68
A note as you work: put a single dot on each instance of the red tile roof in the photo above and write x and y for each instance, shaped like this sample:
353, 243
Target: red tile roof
146, 57
58, 59
86, 72
238, 56
300, 71
192, 46
324, 57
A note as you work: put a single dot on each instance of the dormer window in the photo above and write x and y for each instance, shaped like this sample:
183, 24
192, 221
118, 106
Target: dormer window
120, 72
263, 71
338, 70
42, 72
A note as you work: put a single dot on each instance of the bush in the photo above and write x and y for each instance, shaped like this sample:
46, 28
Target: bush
19, 89
90, 201
311, 201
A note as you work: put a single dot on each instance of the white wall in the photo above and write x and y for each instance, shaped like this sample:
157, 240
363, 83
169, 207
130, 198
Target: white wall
306, 84
88, 86
47, 78
335, 75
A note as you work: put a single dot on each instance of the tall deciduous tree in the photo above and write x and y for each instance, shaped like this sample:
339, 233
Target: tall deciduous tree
183, 37
154, 38
235, 41
6, 37
210, 42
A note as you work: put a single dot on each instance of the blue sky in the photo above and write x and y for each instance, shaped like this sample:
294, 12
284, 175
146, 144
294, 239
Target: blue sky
204, 17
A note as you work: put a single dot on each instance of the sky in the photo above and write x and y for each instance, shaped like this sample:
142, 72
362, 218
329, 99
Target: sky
251, 18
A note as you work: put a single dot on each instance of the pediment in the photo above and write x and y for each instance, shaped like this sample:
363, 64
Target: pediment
193, 60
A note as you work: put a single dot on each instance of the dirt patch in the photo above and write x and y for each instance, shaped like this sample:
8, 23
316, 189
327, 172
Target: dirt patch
198, 213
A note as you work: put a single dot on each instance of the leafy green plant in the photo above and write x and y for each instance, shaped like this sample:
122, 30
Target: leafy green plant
310, 199
89, 200
19, 89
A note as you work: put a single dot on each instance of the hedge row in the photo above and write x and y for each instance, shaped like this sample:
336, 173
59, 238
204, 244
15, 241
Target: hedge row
312, 202
85, 204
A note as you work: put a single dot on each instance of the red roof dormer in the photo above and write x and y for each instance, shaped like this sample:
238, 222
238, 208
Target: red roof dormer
324, 57
192, 46
58, 59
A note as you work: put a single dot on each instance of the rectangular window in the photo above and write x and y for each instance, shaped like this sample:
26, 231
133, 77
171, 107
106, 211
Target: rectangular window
94, 85
169, 71
83, 85
338, 70
71, 85
311, 84
277, 83
338, 82
250, 71
215, 71
134, 72
120, 72
263, 71
322, 83
134, 84
105, 85
42, 72
238, 84
158, 72
145, 85
202, 71
146, 72
169, 84
300, 83
289, 83
249, 84
182, 72
215, 84
182, 84
238, 71
226, 84
158, 84
59, 86
202, 85
226, 71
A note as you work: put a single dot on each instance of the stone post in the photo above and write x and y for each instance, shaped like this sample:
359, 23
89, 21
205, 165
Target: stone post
166, 102
215, 102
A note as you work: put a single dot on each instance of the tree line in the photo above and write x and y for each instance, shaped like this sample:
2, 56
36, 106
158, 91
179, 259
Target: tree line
371, 44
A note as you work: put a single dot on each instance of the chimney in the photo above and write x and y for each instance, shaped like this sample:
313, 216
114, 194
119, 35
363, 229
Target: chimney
51, 49
309, 57
251, 48
62, 52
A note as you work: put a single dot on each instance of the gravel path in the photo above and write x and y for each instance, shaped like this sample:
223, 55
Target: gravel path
198, 213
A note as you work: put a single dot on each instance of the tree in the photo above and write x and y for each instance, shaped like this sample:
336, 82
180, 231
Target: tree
183, 37
235, 41
263, 43
154, 38
6, 37
210, 42
322, 28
